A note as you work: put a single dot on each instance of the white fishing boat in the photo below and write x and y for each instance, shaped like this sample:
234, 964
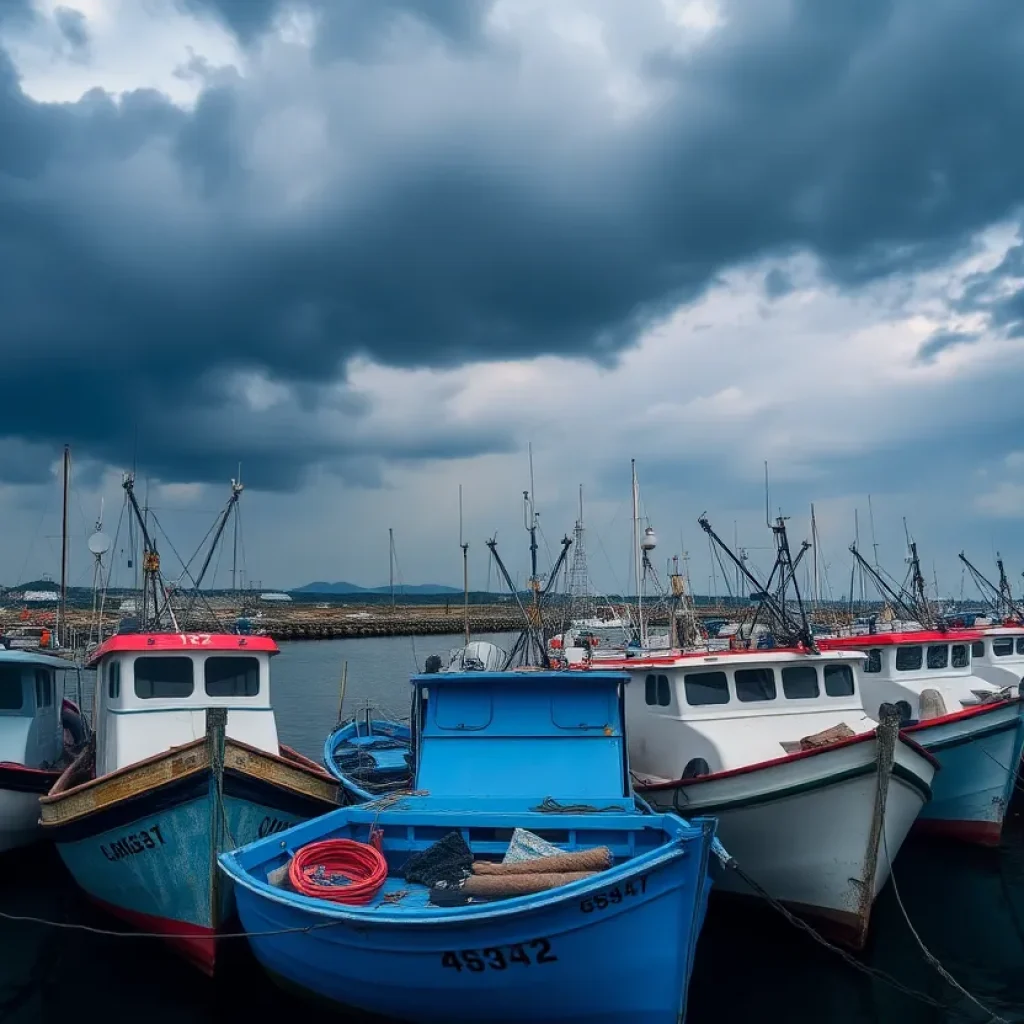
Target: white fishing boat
40, 732
998, 657
973, 726
811, 798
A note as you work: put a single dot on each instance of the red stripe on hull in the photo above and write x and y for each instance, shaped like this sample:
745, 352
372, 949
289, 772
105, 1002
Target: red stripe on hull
195, 943
981, 833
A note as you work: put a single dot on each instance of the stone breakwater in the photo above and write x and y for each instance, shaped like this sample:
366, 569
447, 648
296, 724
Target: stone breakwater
382, 625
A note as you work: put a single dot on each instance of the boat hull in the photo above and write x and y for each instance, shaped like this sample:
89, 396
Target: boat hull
20, 790
142, 842
802, 827
579, 953
980, 752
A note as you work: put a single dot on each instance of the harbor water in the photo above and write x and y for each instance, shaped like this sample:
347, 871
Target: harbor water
966, 905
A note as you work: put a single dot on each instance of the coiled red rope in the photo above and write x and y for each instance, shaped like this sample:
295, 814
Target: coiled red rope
340, 870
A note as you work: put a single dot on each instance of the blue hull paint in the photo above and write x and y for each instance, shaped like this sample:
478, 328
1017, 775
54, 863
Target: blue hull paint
573, 954
977, 777
156, 870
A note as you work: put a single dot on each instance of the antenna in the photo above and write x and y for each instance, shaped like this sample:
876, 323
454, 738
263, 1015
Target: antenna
236, 488
62, 608
465, 568
871, 519
99, 544
767, 501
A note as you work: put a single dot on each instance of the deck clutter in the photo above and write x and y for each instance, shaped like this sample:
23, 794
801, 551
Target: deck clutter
469, 902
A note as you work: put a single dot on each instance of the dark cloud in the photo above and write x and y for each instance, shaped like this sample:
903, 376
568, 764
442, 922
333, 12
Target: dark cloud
880, 135
13, 11
777, 283
246, 18
353, 28
940, 341
73, 27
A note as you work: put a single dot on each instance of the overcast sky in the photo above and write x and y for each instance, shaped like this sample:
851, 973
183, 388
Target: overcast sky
371, 249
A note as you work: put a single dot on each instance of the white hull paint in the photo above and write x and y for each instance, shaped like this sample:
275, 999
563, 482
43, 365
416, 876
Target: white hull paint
801, 827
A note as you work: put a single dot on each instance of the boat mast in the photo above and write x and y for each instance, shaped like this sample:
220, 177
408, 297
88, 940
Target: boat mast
637, 556
530, 522
391, 566
62, 608
236, 489
816, 598
465, 570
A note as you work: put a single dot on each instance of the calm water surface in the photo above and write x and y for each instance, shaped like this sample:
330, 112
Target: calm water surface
966, 904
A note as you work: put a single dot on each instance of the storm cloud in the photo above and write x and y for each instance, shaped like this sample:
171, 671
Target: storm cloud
428, 185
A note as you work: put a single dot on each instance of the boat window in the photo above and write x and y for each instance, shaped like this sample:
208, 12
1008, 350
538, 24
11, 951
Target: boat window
706, 688
938, 656
232, 677
166, 678
1002, 647
961, 659
755, 684
800, 682
664, 692
874, 662
978, 648
651, 689
1020, 645
10, 687
114, 680
44, 688
839, 680
909, 659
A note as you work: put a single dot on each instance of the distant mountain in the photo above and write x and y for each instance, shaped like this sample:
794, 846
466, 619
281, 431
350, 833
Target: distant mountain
320, 587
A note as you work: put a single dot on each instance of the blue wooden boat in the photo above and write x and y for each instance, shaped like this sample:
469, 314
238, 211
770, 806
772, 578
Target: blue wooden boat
370, 756
538, 750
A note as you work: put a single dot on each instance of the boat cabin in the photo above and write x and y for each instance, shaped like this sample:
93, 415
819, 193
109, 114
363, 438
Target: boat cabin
699, 712
507, 740
998, 657
31, 694
900, 667
153, 690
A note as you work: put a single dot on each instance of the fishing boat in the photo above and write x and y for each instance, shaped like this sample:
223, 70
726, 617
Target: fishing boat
41, 731
812, 798
184, 763
974, 728
997, 657
535, 750
371, 755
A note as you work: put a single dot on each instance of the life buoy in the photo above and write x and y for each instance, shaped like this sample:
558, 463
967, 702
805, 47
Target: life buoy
556, 643
73, 724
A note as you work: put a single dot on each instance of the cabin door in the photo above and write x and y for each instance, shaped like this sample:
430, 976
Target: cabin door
47, 721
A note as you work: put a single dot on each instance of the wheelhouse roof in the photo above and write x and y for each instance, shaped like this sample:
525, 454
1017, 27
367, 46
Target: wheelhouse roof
773, 654
23, 657
182, 643
921, 636
517, 677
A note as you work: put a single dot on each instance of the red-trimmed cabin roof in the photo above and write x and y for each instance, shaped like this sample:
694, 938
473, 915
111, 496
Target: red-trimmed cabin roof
921, 636
137, 643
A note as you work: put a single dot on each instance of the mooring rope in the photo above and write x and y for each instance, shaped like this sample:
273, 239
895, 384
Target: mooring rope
929, 956
850, 959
